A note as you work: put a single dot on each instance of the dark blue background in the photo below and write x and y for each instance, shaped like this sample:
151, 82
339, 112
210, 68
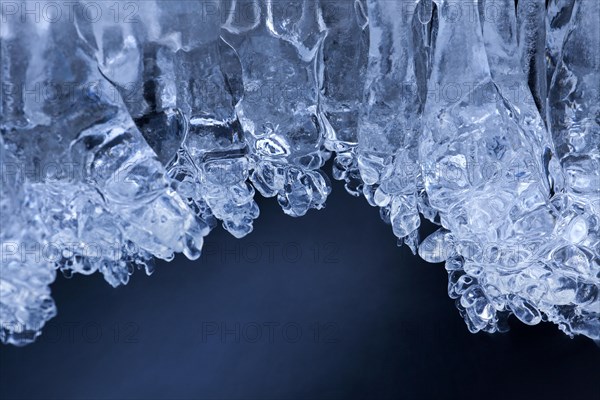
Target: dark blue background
351, 314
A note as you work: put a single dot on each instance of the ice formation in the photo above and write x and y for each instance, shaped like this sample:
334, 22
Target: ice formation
128, 130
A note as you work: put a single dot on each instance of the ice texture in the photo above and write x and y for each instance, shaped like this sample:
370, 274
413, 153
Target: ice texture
390, 116
126, 136
574, 121
531, 23
178, 77
25, 302
513, 241
90, 179
279, 44
344, 63
479, 173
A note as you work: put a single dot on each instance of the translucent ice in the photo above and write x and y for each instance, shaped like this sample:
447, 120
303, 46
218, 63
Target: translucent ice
177, 75
517, 244
279, 45
477, 165
124, 137
574, 120
25, 276
96, 188
390, 120
344, 65
531, 20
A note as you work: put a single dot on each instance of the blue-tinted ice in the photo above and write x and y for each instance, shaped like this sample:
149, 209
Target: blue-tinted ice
126, 136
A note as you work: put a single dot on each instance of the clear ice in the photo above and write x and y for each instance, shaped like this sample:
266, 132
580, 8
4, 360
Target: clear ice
127, 135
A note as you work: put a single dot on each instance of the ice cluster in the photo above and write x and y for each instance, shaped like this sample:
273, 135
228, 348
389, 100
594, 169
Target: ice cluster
128, 129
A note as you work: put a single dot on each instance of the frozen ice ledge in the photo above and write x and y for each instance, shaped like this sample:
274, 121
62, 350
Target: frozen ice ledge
130, 129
